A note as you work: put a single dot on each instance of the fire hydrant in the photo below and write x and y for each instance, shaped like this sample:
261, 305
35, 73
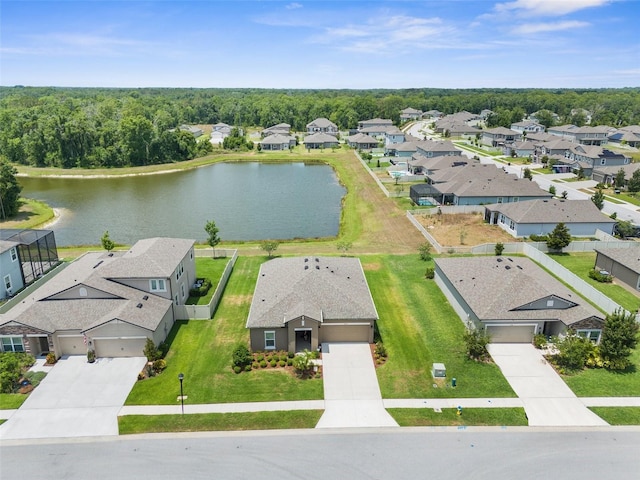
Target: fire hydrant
459, 412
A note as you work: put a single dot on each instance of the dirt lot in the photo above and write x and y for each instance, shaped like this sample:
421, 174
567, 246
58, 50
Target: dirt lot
452, 230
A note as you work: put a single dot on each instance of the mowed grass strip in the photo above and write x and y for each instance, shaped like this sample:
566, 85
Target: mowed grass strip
10, 401
581, 262
618, 415
207, 422
426, 417
202, 351
418, 327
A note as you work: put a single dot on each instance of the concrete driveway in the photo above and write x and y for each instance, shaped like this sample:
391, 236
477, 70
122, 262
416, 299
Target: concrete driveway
76, 399
547, 400
351, 392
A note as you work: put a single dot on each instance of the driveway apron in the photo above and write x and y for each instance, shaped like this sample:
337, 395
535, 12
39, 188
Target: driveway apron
76, 399
351, 391
547, 400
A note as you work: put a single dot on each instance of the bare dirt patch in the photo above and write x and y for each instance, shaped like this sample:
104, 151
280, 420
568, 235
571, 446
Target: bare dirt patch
453, 230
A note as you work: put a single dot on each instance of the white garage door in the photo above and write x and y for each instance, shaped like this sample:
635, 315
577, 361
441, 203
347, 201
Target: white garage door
72, 345
119, 347
511, 333
344, 333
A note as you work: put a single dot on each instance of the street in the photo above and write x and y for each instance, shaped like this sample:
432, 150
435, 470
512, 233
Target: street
430, 452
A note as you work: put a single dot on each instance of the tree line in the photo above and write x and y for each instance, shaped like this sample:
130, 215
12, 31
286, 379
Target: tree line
99, 127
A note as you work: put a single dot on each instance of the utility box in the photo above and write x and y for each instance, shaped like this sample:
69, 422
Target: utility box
438, 370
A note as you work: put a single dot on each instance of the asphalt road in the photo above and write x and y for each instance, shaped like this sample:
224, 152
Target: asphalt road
442, 453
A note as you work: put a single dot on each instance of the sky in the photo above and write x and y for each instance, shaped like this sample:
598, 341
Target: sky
321, 44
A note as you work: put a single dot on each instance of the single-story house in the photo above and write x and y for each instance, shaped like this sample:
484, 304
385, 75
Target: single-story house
323, 125
106, 302
193, 130
481, 184
622, 263
25, 255
527, 126
409, 114
219, 132
362, 141
278, 141
379, 123
320, 140
281, 128
540, 217
301, 302
513, 299
607, 174
499, 136
430, 149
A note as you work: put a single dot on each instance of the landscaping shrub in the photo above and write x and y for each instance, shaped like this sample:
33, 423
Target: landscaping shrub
51, 358
476, 341
12, 366
380, 350
259, 357
273, 363
499, 248
573, 352
275, 357
538, 238
430, 273
255, 365
282, 363
600, 277
159, 365
201, 291
540, 341
241, 356
263, 364
150, 351
302, 363
247, 368
237, 369
291, 354
289, 362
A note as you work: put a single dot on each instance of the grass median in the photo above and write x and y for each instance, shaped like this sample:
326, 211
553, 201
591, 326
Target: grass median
428, 417
618, 415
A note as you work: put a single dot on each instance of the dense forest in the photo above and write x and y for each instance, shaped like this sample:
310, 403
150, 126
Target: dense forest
97, 127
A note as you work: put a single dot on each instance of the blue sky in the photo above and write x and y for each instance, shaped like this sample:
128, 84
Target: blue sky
321, 44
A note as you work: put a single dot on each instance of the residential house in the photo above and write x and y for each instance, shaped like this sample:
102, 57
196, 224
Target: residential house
277, 141
362, 141
622, 263
25, 255
499, 137
513, 299
607, 174
393, 135
322, 125
527, 127
427, 150
320, 140
422, 165
629, 135
540, 217
481, 184
281, 128
432, 114
219, 132
405, 149
410, 114
301, 302
582, 135
525, 149
382, 124
485, 114
589, 157
106, 302
556, 147
193, 130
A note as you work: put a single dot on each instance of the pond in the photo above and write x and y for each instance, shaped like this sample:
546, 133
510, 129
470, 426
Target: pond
248, 201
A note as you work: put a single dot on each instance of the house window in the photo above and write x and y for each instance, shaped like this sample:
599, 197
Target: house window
603, 161
549, 303
270, 340
626, 161
157, 285
7, 283
512, 225
14, 254
515, 199
191, 254
499, 200
12, 344
592, 335
182, 290
177, 299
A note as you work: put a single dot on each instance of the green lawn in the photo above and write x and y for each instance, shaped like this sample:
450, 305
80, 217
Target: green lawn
618, 415
201, 349
598, 382
418, 327
425, 417
10, 401
211, 268
581, 262
218, 421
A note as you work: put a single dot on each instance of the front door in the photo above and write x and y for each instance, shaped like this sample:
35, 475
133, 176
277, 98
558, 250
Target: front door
303, 340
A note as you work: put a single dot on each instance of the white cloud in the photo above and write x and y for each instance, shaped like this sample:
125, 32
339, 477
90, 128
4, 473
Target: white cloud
550, 8
532, 28
293, 6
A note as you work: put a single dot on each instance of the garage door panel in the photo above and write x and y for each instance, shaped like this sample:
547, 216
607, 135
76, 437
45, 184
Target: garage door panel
511, 333
345, 333
72, 345
119, 347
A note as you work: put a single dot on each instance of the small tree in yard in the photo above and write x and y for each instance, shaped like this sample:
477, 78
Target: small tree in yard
526, 173
552, 189
212, 230
107, 243
269, 246
302, 363
559, 238
619, 338
499, 248
620, 178
476, 341
425, 251
152, 352
564, 194
633, 185
598, 199
241, 358
343, 246
625, 228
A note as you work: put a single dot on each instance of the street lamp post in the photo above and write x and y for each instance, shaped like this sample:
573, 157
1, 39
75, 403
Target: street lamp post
181, 378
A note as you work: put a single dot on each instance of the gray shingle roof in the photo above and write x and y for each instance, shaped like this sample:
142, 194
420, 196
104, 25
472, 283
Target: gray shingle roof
317, 287
321, 123
629, 257
492, 290
553, 210
320, 137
